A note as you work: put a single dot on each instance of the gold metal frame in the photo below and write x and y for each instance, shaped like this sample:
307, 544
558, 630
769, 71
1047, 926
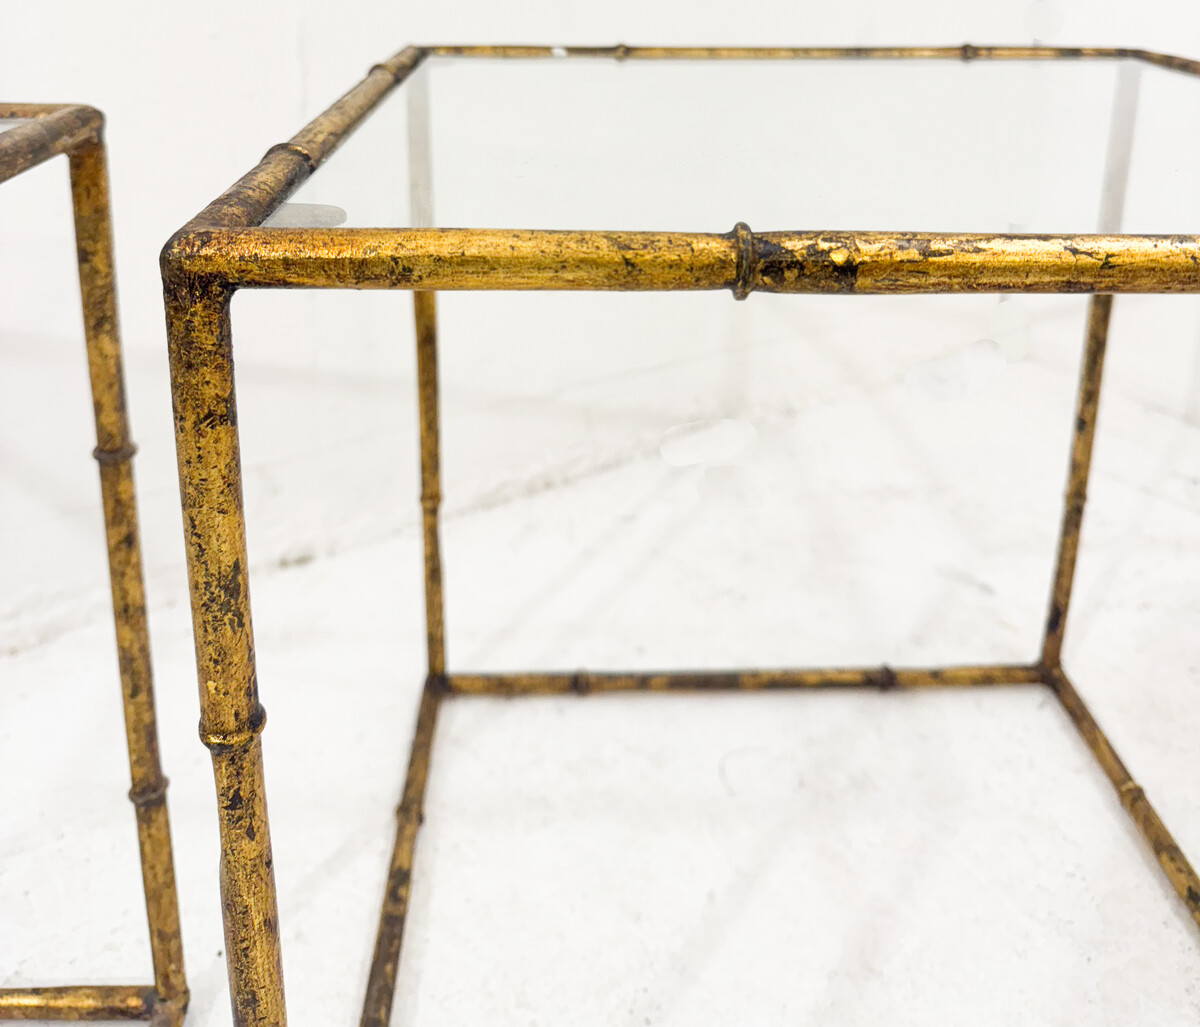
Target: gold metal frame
78, 132
226, 248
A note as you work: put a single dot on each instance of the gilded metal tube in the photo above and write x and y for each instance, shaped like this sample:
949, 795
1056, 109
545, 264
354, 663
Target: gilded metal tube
114, 453
905, 262
256, 195
29, 111
1174, 863
53, 130
253, 198
425, 311
381, 982
80, 1002
321, 136
882, 678
231, 717
1091, 370
964, 52
1169, 61
855, 263
1086, 404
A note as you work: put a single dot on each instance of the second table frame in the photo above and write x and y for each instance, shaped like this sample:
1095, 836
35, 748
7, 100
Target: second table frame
50, 130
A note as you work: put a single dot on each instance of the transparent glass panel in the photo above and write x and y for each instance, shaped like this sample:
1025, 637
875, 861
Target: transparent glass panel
699, 145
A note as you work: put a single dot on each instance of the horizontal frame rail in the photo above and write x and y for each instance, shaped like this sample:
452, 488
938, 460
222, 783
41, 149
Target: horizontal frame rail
881, 678
79, 1002
860, 263
50, 130
963, 52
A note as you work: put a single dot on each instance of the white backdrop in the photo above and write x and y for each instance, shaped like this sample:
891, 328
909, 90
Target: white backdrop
629, 481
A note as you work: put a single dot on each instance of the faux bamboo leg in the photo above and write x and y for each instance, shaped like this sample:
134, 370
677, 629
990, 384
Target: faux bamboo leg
1174, 863
381, 983
425, 310
114, 452
231, 718
1087, 401
420, 184
1122, 122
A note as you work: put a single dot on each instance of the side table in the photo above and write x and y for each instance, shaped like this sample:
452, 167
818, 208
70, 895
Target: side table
230, 245
47, 131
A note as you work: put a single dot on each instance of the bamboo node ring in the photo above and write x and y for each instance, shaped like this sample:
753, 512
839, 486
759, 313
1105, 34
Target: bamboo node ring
153, 794
243, 738
114, 456
744, 266
293, 148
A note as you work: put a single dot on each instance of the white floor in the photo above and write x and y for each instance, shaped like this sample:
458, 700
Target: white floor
805, 482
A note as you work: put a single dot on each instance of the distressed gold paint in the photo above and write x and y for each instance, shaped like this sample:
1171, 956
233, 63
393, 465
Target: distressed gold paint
84, 1002
435, 259
425, 316
882, 678
225, 248
1174, 863
231, 717
964, 52
78, 133
1084, 432
381, 981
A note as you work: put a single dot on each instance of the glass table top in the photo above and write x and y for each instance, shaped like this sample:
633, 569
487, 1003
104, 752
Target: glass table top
904, 145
